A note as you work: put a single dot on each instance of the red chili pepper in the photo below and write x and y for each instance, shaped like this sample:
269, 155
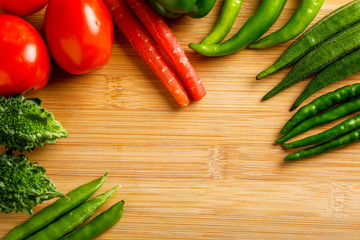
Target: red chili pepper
162, 34
143, 43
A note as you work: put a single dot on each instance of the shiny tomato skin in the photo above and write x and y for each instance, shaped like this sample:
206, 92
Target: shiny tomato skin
79, 34
22, 7
24, 59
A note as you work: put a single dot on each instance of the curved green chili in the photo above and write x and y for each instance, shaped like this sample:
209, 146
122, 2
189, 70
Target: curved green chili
336, 47
342, 68
201, 8
268, 12
338, 130
157, 7
303, 16
331, 115
55, 210
73, 219
322, 103
319, 149
100, 224
226, 20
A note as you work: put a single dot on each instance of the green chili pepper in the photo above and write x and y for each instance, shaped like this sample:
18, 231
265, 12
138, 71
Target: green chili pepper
73, 219
331, 24
55, 210
316, 150
340, 129
322, 103
303, 16
331, 115
226, 20
342, 68
268, 12
336, 47
99, 224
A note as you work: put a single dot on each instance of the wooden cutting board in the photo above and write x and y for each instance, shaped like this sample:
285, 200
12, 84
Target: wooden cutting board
208, 171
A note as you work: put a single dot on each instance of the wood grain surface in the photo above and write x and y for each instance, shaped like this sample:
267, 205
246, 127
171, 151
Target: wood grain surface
208, 171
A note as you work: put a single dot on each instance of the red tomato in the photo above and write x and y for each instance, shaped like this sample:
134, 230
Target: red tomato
22, 7
24, 59
79, 34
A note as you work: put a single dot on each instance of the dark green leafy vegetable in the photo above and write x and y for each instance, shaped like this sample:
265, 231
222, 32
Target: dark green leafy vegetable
25, 125
23, 184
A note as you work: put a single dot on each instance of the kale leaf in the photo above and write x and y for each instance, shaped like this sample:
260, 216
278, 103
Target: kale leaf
25, 125
23, 184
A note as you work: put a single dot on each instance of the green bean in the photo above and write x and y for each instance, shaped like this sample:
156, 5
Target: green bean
336, 47
331, 115
73, 219
268, 12
340, 129
303, 16
226, 20
319, 149
99, 224
342, 68
322, 103
55, 210
331, 24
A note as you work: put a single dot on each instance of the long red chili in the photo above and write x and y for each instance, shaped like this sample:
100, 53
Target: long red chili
147, 48
162, 34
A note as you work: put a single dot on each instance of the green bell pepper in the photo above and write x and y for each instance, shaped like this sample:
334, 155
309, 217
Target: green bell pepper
175, 8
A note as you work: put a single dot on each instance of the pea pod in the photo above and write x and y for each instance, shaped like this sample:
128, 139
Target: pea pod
268, 12
331, 115
322, 103
226, 20
55, 210
342, 141
331, 24
99, 224
342, 68
303, 16
336, 47
73, 219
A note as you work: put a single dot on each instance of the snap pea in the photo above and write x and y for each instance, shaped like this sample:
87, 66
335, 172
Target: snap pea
336, 47
99, 224
229, 12
325, 117
342, 68
322, 103
331, 24
55, 210
319, 149
303, 16
268, 12
338, 130
73, 219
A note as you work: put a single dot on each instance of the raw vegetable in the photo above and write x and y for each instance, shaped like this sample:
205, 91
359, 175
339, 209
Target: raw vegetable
99, 224
342, 68
336, 47
22, 7
143, 43
25, 125
268, 12
73, 219
338, 130
163, 11
25, 61
79, 35
225, 22
331, 24
23, 184
55, 210
303, 16
322, 103
158, 29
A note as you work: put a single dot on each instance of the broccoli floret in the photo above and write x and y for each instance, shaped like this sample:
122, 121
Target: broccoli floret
23, 184
24, 124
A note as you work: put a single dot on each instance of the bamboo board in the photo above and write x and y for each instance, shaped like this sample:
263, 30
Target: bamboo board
208, 171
